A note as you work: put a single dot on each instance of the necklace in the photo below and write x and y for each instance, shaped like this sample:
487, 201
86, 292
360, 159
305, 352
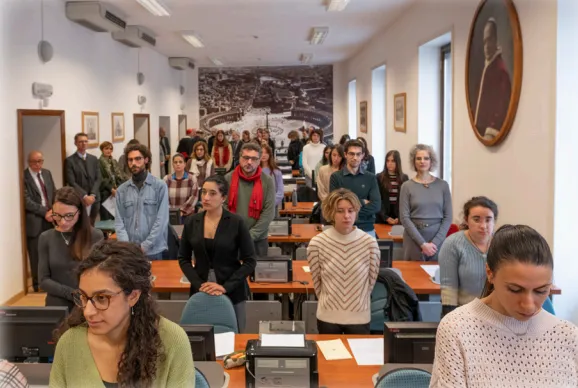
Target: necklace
476, 245
67, 242
424, 183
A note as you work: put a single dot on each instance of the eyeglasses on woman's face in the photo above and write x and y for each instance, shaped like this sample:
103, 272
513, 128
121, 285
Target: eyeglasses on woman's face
100, 300
67, 216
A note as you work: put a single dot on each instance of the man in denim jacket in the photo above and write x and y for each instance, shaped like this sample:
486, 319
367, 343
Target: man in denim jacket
142, 205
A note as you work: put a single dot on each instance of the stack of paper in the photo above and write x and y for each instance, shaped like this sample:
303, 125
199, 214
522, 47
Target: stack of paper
367, 351
306, 268
283, 340
334, 350
224, 344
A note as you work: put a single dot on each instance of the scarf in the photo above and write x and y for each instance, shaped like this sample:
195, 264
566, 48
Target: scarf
256, 200
195, 164
217, 154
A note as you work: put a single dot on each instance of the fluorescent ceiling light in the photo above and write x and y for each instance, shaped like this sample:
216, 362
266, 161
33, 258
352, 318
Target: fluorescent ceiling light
337, 5
318, 34
306, 58
156, 7
216, 61
193, 39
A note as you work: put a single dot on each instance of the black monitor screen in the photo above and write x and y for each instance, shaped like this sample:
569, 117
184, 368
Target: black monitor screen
202, 340
28, 332
386, 251
409, 342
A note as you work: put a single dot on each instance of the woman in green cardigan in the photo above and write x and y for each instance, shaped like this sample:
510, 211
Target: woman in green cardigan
115, 337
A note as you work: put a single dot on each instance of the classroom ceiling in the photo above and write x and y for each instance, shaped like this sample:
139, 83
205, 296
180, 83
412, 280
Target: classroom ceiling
264, 32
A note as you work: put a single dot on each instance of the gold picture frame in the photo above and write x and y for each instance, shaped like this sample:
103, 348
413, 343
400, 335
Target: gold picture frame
400, 112
117, 126
90, 127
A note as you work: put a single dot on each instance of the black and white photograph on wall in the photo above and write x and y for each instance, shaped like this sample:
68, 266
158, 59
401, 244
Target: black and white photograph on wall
117, 126
399, 102
281, 99
90, 127
494, 70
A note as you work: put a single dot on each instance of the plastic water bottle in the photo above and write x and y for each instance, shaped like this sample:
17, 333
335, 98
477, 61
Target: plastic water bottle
294, 197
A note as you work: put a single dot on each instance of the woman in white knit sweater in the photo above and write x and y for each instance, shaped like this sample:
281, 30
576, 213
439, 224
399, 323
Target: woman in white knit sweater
506, 339
312, 154
344, 263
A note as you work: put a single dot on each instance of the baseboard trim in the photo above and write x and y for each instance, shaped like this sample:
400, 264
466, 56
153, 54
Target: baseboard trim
14, 299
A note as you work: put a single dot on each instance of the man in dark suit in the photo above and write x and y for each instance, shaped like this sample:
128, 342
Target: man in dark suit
166, 147
83, 173
38, 196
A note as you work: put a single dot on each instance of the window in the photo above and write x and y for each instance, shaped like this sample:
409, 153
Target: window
378, 122
446, 113
352, 109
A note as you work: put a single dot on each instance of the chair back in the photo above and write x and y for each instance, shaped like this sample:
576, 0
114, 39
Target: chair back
404, 378
171, 309
200, 380
454, 228
301, 253
378, 300
274, 251
261, 310
205, 309
549, 306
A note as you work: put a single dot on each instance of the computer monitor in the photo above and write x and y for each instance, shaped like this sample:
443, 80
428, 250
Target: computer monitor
386, 250
409, 342
202, 340
28, 332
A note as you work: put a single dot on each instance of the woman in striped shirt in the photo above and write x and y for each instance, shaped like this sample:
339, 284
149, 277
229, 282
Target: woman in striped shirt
390, 181
183, 189
344, 262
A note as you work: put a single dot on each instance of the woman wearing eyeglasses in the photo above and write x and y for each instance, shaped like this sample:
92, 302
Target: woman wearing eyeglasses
61, 249
116, 338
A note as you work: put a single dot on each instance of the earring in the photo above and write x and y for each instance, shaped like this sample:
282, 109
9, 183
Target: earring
132, 311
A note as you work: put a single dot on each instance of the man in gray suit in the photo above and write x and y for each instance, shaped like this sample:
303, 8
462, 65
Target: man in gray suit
39, 192
83, 173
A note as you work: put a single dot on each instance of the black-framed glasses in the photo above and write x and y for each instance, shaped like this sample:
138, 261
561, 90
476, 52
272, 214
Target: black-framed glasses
100, 301
67, 216
251, 158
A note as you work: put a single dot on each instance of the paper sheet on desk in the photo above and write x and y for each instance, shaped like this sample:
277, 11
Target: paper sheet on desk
334, 350
430, 269
283, 340
367, 351
224, 344
110, 205
306, 268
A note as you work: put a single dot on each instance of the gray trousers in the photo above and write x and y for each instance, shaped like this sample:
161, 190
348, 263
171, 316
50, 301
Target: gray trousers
240, 308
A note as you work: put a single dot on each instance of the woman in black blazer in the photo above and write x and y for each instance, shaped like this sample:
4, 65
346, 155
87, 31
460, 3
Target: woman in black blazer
389, 182
222, 248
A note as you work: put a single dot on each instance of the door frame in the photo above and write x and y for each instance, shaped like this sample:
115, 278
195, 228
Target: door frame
33, 112
179, 126
142, 116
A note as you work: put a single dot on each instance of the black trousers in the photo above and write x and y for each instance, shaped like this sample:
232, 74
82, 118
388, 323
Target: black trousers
333, 328
32, 247
94, 211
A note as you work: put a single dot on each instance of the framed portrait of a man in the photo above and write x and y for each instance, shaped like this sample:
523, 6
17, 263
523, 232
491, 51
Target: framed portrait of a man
363, 116
494, 70
399, 111
90, 127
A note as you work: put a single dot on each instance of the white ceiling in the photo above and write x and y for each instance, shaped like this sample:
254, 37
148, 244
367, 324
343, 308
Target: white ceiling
228, 28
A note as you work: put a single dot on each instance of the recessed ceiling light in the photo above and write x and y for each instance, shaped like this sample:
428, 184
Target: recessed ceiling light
305, 58
337, 5
318, 34
156, 7
193, 39
216, 61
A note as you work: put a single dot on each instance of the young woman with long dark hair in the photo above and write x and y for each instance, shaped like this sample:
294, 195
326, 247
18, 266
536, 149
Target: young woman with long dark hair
389, 182
269, 167
63, 248
336, 163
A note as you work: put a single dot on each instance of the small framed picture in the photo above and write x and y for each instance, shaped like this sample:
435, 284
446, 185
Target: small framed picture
90, 127
400, 120
363, 116
117, 126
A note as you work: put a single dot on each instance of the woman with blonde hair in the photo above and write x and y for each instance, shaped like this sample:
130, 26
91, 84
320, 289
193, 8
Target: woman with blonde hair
344, 262
222, 153
201, 164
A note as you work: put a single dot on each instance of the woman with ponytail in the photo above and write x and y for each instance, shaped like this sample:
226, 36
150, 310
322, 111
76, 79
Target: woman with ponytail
60, 250
115, 337
506, 339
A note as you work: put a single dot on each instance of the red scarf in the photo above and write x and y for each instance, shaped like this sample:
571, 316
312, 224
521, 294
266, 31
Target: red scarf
216, 154
256, 200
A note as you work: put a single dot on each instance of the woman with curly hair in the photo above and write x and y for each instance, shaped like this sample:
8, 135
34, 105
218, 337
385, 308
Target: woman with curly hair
115, 337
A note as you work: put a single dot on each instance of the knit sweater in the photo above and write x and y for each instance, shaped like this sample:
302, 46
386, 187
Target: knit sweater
462, 270
479, 347
74, 366
312, 154
344, 270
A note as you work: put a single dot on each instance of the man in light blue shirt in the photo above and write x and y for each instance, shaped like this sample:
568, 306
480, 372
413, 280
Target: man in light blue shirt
142, 205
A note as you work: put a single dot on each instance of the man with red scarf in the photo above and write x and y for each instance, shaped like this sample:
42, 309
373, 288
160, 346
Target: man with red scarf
252, 196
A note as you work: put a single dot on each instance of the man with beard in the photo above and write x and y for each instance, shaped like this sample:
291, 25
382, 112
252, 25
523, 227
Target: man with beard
142, 205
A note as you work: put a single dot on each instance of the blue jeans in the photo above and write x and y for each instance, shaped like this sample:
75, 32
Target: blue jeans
372, 233
156, 256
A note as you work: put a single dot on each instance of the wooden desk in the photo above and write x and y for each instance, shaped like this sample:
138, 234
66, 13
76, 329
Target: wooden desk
300, 233
382, 232
332, 374
302, 209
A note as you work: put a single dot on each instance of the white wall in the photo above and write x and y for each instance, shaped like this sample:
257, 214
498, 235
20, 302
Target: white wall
89, 72
43, 133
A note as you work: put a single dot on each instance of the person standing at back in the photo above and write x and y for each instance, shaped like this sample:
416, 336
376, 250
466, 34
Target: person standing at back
312, 154
142, 206
83, 174
361, 182
39, 192
165, 145
389, 182
252, 196
294, 150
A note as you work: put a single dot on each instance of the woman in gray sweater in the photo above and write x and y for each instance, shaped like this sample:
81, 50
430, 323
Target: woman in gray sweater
61, 249
425, 208
463, 255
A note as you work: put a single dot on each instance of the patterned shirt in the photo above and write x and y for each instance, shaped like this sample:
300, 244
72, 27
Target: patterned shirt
183, 193
394, 190
11, 377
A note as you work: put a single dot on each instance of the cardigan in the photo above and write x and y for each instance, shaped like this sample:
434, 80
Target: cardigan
344, 269
234, 254
386, 206
74, 366
278, 180
477, 347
